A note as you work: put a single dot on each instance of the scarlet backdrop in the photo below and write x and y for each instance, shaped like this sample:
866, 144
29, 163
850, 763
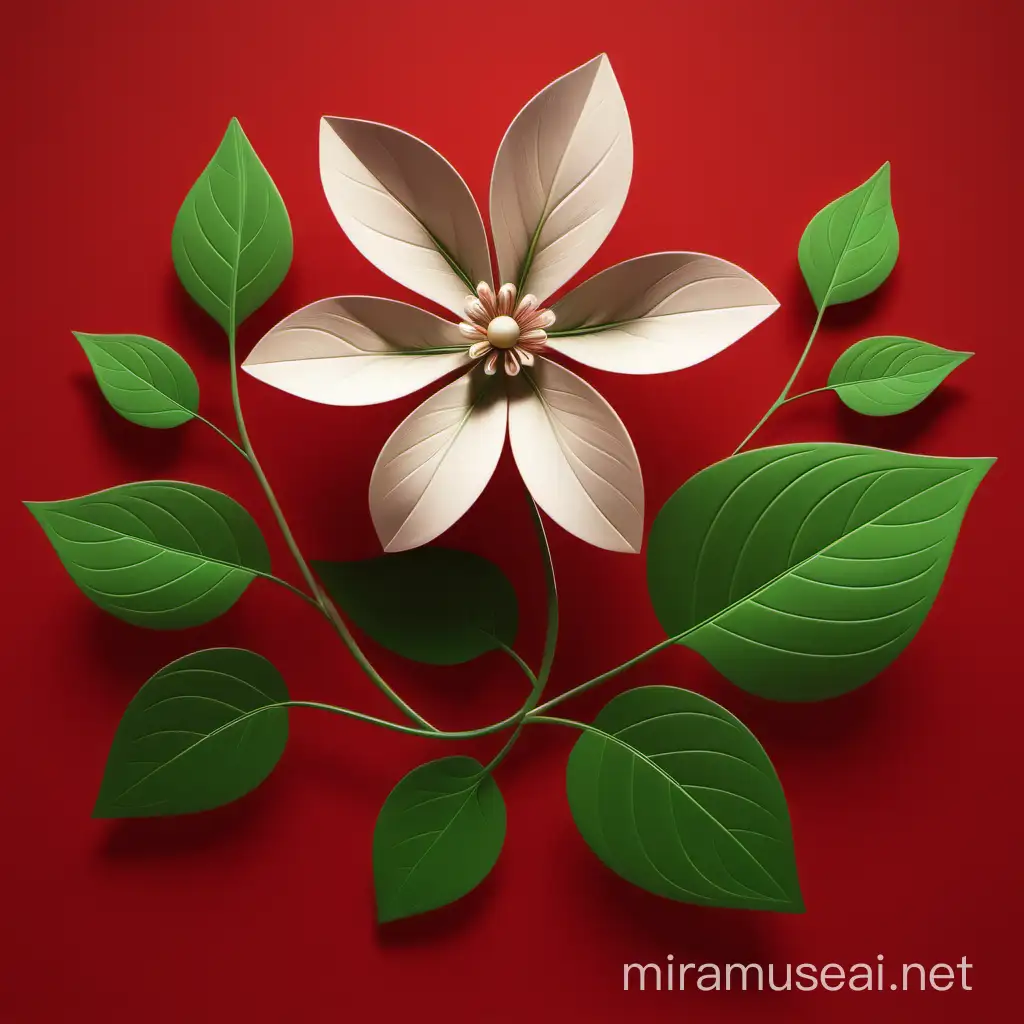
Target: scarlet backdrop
747, 117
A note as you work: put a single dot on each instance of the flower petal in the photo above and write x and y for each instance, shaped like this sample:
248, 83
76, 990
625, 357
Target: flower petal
659, 313
405, 208
575, 457
438, 461
357, 350
560, 178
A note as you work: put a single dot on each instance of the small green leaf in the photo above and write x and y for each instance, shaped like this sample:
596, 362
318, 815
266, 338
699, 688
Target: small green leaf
161, 554
887, 375
437, 837
232, 241
850, 247
145, 380
801, 571
434, 605
676, 795
203, 731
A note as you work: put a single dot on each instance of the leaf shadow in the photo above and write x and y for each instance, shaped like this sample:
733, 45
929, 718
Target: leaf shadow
689, 932
143, 448
903, 430
148, 839
815, 728
194, 322
444, 924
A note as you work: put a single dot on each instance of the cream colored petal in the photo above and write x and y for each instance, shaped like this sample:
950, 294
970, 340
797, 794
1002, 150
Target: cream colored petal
575, 456
560, 178
357, 350
404, 207
659, 313
438, 461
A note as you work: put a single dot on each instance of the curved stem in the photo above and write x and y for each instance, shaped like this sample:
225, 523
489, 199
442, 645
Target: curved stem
227, 437
550, 639
605, 676
784, 394
408, 730
804, 394
323, 602
526, 670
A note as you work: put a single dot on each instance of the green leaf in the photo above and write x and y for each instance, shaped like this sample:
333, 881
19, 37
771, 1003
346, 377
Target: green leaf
850, 247
145, 380
676, 795
161, 554
232, 241
437, 837
801, 571
886, 375
203, 731
434, 605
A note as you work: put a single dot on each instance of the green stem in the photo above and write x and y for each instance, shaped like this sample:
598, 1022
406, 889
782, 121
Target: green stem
605, 676
784, 394
815, 391
227, 437
323, 602
550, 639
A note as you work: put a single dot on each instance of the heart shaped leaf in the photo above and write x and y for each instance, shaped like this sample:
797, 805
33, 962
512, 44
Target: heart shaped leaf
676, 795
203, 731
437, 837
434, 605
145, 380
888, 375
801, 571
232, 241
850, 247
162, 554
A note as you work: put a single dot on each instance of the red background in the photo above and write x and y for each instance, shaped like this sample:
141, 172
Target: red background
747, 117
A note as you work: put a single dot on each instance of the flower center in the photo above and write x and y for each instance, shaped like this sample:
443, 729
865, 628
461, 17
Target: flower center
505, 329
503, 332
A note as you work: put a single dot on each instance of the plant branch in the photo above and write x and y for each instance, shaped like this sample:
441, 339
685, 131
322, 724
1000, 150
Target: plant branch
784, 394
324, 603
550, 638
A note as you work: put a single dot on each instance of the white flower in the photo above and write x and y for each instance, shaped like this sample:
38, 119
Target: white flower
559, 182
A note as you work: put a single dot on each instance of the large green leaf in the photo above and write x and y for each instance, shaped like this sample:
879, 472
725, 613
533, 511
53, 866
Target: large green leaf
850, 247
676, 795
434, 605
162, 553
887, 375
145, 380
232, 241
801, 571
203, 731
437, 837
